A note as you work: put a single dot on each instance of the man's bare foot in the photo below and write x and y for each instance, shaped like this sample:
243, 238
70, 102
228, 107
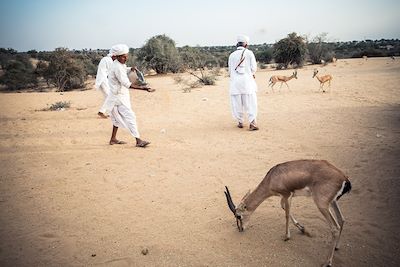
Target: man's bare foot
102, 115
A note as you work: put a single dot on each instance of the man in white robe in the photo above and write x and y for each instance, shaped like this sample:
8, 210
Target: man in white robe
122, 114
102, 81
243, 88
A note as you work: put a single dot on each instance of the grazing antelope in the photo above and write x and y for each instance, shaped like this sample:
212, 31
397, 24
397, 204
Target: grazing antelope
323, 79
283, 79
316, 178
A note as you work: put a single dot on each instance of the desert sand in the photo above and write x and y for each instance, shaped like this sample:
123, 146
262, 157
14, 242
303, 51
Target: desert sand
68, 198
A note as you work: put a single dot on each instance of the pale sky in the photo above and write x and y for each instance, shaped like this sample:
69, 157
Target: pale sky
78, 24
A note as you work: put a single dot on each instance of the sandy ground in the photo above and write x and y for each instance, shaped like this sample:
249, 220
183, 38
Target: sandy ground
67, 198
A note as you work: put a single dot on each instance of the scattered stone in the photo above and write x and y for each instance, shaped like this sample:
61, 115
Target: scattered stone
145, 251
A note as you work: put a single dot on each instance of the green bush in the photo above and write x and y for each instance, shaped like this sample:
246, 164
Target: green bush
18, 74
159, 53
263, 54
290, 50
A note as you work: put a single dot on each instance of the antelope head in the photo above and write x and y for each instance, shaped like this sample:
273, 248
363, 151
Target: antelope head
240, 212
295, 74
315, 73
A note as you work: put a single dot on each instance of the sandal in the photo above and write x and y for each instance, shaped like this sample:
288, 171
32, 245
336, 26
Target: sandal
117, 142
142, 144
102, 115
253, 127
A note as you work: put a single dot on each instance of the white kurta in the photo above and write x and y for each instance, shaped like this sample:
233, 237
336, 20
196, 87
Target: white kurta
242, 87
102, 72
122, 114
102, 81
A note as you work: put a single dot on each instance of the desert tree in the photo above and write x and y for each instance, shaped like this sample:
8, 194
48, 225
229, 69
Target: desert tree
319, 50
290, 50
193, 59
65, 71
159, 53
263, 54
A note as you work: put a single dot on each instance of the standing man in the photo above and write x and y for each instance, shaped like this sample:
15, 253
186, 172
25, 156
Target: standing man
243, 88
122, 114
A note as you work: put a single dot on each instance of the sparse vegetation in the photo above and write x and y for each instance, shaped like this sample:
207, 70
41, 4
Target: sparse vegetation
319, 50
68, 70
60, 105
195, 60
18, 73
186, 84
64, 71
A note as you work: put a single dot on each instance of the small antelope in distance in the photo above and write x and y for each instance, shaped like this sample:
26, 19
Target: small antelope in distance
283, 79
323, 79
316, 178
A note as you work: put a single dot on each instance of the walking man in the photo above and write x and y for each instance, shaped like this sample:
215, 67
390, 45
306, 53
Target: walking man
122, 114
243, 88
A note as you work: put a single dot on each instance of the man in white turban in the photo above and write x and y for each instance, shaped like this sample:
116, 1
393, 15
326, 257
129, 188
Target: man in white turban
243, 88
102, 80
122, 114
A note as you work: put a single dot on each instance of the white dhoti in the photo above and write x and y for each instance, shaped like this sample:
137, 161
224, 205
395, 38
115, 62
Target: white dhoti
122, 114
244, 103
123, 117
243, 87
108, 103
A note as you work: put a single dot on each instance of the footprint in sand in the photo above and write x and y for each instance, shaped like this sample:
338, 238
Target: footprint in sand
48, 235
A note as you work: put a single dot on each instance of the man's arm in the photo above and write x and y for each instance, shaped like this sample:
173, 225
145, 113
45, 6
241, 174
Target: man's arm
253, 64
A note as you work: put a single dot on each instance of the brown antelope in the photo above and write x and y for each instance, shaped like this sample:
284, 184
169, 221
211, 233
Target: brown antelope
323, 79
283, 79
316, 178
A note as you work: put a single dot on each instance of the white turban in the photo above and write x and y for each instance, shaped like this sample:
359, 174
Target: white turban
119, 49
243, 39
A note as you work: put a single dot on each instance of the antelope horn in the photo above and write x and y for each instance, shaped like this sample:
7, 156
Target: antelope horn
229, 200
